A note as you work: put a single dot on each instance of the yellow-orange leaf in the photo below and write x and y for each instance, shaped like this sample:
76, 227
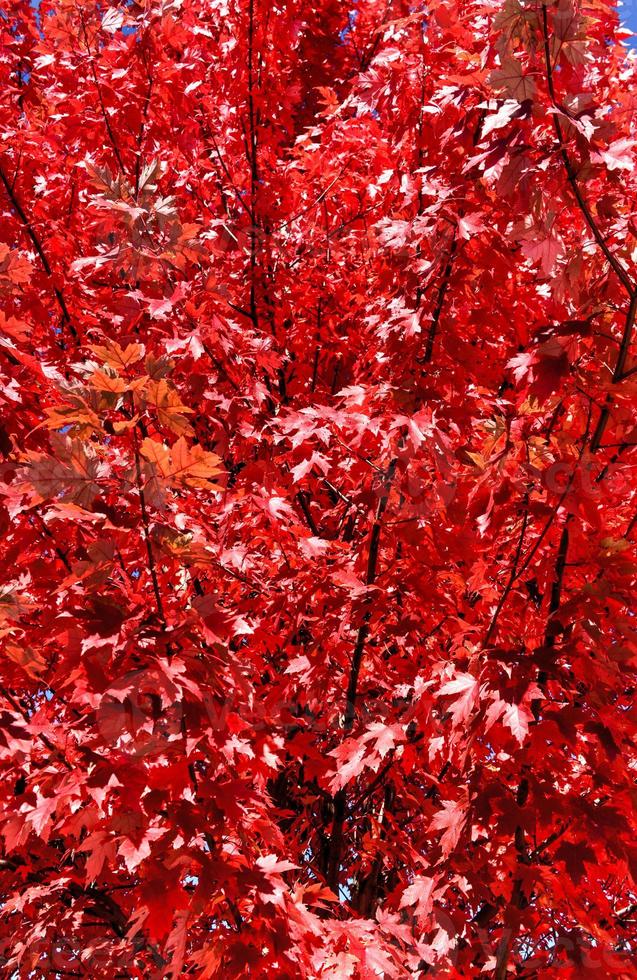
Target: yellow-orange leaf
107, 382
170, 410
194, 466
189, 465
158, 454
118, 357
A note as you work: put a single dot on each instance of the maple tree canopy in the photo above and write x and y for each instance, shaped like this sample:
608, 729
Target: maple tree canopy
317, 495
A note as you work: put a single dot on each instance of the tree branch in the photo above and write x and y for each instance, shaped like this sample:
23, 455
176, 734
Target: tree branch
440, 300
37, 244
615, 264
340, 799
146, 532
111, 134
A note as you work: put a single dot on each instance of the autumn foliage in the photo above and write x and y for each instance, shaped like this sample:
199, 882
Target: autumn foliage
317, 506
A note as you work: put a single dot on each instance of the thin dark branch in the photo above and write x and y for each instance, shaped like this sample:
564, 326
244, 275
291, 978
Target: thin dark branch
618, 372
37, 244
440, 299
303, 503
146, 532
340, 799
615, 264
512, 573
109, 130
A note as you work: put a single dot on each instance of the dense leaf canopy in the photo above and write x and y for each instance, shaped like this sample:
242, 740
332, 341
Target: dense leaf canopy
317, 497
